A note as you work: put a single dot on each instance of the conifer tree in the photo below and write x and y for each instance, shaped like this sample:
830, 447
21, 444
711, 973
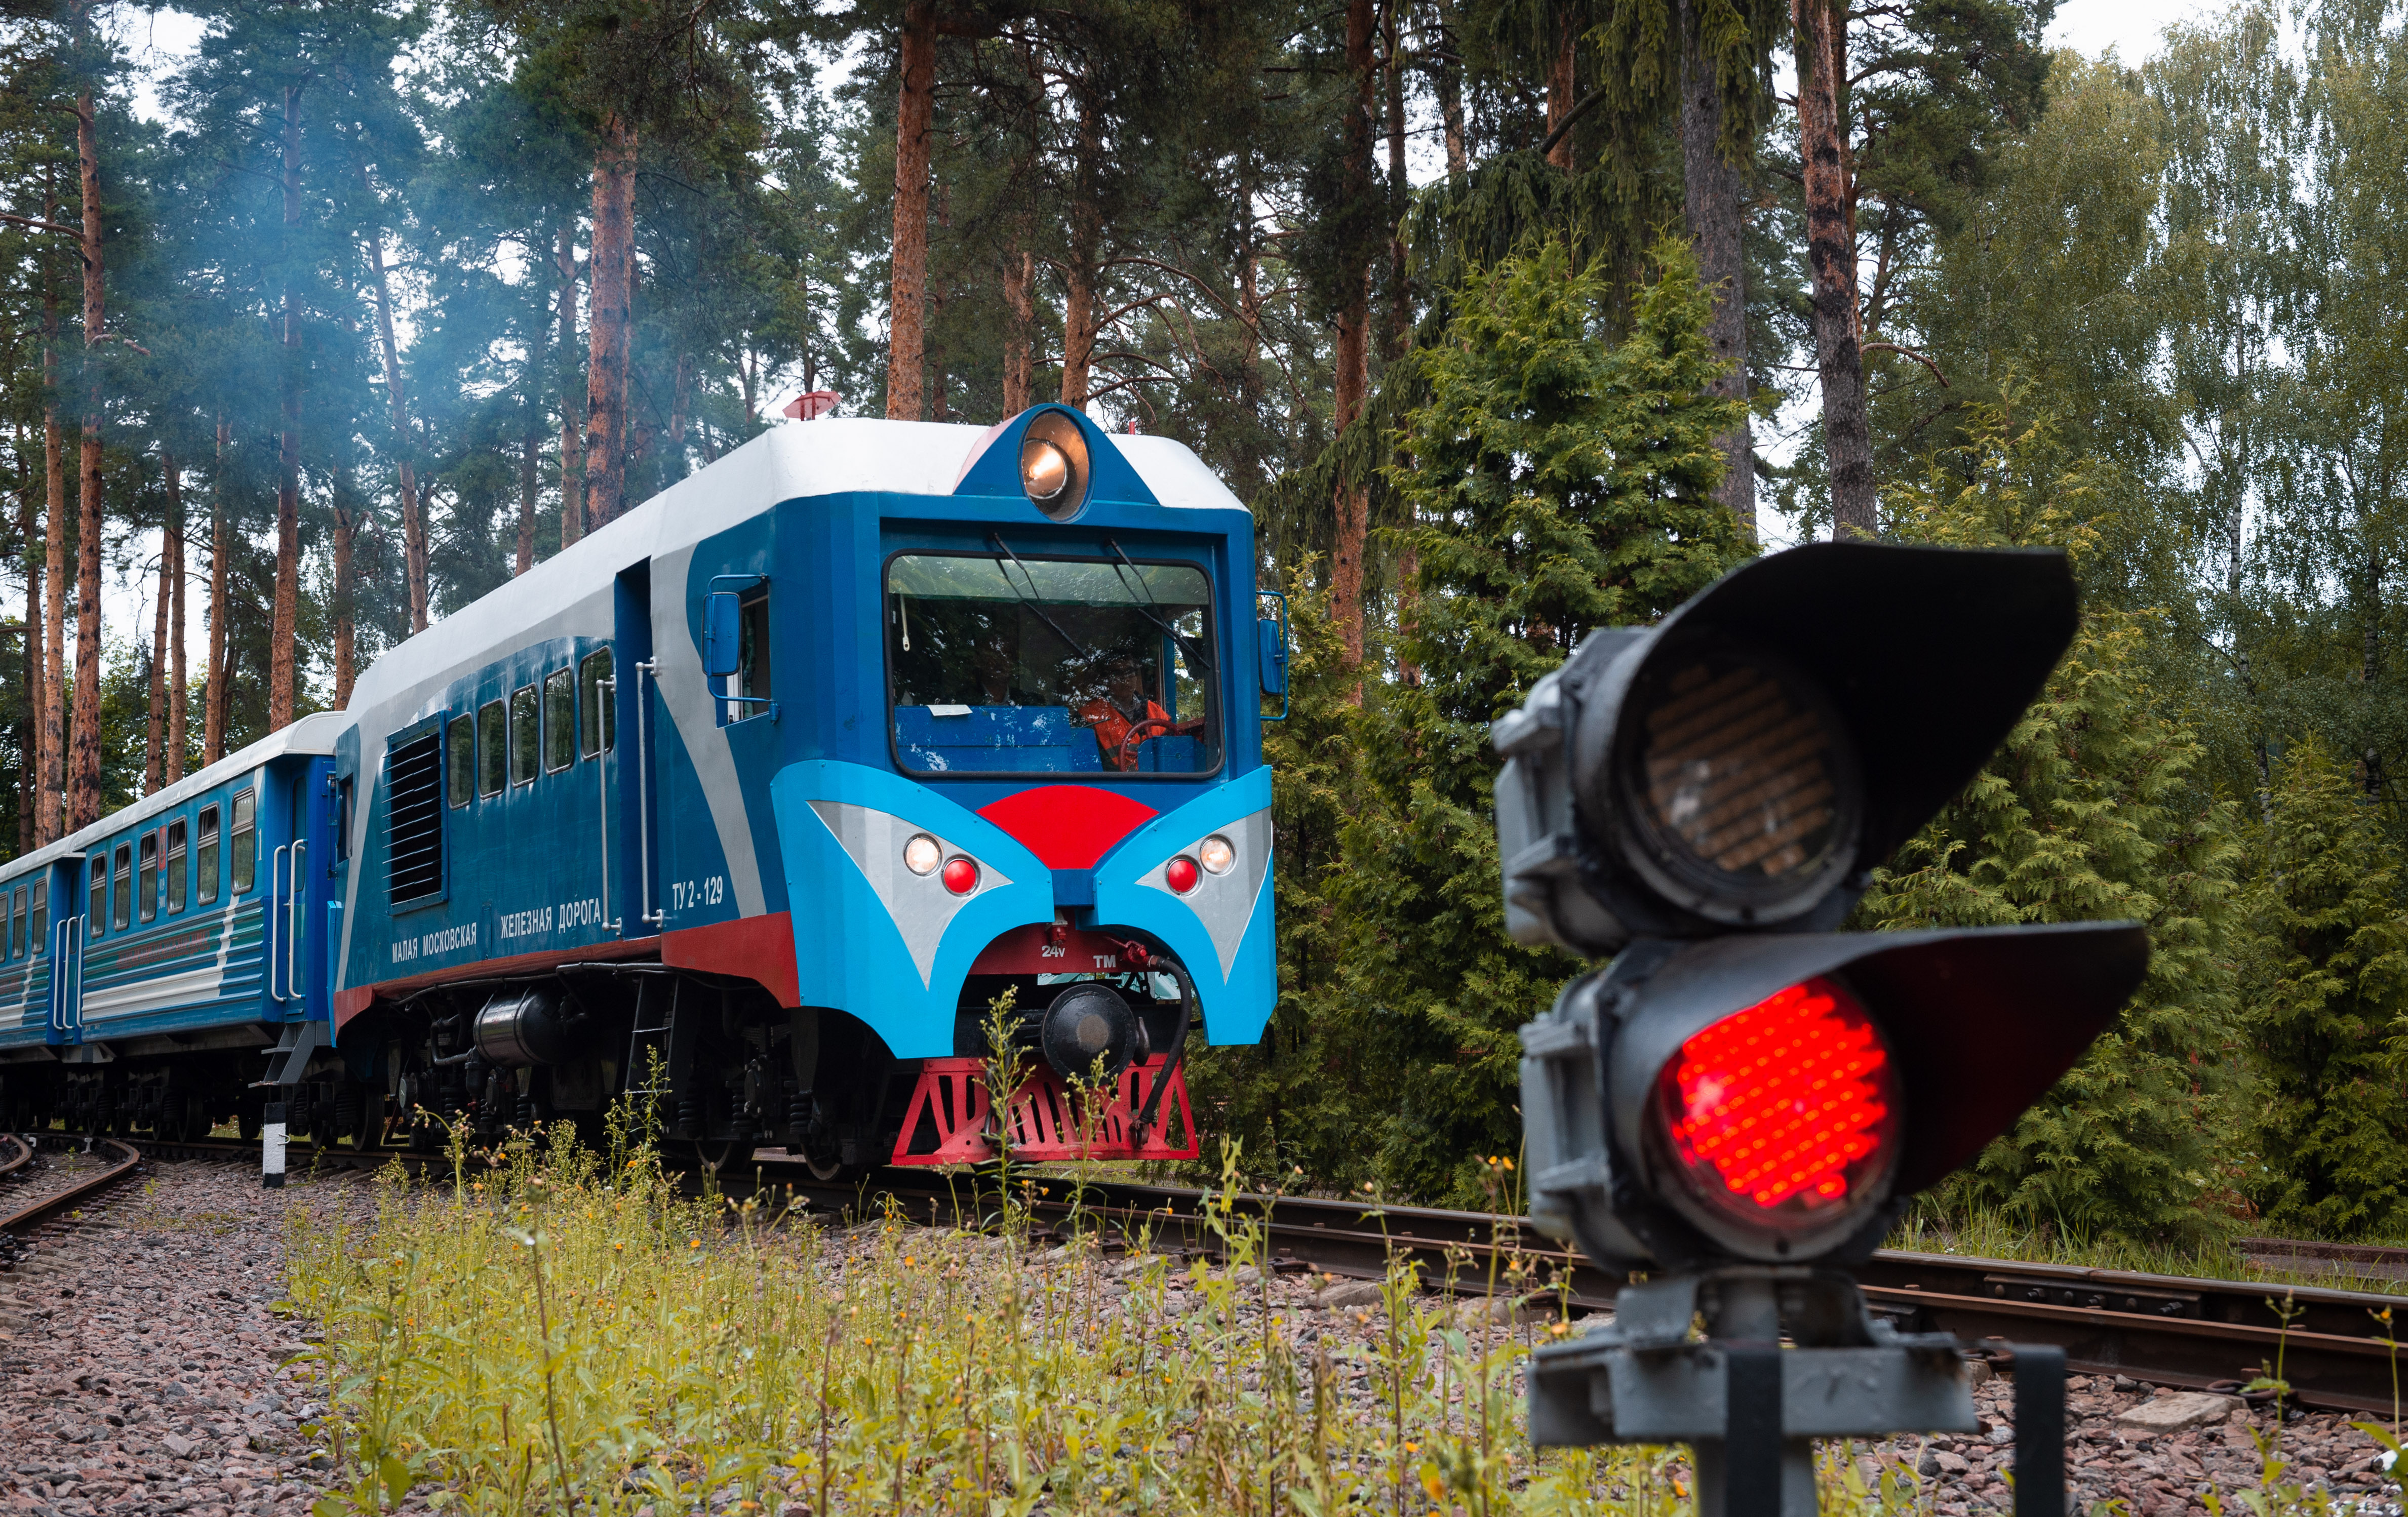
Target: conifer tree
2327, 996
1560, 482
2088, 812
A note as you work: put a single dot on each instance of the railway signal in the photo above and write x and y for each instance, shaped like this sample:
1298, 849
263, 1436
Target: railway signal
1744, 1099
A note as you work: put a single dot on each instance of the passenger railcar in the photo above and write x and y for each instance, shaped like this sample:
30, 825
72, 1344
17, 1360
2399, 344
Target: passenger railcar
752, 803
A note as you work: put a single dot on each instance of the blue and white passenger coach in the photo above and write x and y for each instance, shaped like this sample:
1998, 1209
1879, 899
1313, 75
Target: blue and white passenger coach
753, 801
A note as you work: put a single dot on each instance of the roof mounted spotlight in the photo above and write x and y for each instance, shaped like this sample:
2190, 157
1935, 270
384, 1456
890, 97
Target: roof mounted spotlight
1053, 470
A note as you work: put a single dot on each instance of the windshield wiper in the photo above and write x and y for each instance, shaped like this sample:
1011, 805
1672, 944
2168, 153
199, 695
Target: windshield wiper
1027, 597
1191, 646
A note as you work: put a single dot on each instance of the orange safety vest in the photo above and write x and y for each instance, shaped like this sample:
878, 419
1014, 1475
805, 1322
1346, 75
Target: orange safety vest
1113, 727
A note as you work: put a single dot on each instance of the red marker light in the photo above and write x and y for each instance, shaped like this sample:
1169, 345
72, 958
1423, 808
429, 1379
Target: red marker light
1181, 874
1784, 1113
961, 875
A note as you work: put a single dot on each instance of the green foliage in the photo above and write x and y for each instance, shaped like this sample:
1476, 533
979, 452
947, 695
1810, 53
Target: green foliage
2327, 997
2088, 812
1558, 483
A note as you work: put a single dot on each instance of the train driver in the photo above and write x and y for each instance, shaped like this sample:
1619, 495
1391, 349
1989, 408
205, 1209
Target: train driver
1124, 706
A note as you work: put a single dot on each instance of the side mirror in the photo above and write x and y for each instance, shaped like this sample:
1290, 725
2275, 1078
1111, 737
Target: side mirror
1271, 637
722, 637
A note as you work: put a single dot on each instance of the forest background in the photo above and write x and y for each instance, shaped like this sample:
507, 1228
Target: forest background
384, 303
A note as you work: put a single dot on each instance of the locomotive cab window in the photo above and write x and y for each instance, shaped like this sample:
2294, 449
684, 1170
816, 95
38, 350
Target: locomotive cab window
244, 845
1005, 665
523, 714
204, 862
559, 720
492, 746
147, 893
596, 728
749, 687
179, 883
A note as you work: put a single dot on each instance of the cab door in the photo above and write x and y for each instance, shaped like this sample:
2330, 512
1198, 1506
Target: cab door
66, 950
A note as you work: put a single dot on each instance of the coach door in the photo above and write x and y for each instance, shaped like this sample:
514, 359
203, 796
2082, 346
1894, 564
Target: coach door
635, 906
67, 925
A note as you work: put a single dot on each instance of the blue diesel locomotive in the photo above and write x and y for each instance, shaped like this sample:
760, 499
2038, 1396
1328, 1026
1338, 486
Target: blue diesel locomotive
752, 803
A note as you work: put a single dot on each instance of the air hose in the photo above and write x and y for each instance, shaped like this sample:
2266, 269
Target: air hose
1140, 957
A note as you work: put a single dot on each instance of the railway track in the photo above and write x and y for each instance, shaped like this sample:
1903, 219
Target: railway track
20, 1217
2333, 1345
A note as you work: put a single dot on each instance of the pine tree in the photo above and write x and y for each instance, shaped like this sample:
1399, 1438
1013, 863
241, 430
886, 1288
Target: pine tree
2329, 992
2088, 812
1559, 483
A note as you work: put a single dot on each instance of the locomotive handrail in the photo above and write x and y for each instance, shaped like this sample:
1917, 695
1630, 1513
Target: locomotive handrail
293, 925
274, 873
602, 767
645, 669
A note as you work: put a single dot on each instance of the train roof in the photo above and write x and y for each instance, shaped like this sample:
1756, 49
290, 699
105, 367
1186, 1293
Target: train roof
797, 460
313, 735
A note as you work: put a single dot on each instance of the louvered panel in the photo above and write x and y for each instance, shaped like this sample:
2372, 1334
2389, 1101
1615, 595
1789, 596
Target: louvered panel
414, 837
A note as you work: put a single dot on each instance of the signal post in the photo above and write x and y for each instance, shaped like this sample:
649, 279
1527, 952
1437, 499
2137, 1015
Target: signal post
1744, 1100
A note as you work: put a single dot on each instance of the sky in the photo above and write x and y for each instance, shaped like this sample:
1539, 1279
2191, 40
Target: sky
160, 40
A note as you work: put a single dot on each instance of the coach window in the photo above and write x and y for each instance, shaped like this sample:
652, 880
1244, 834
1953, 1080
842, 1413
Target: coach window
122, 889
145, 894
206, 858
492, 746
599, 720
7, 919
97, 898
19, 940
179, 881
525, 712
460, 760
559, 720
244, 844
38, 935
29, 938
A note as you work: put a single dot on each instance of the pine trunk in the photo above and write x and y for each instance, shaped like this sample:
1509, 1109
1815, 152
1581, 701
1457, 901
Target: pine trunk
1400, 306
1079, 270
1019, 273
613, 313
29, 768
1446, 78
533, 445
1563, 90
347, 522
1352, 503
283, 657
178, 737
83, 793
915, 109
214, 699
50, 819
1715, 191
1831, 256
572, 429
413, 518
154, 726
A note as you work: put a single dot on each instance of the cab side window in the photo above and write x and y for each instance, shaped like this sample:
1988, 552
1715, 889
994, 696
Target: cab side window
179, 881
244, 844
524, 714
559, 720
595, 733
460, 760
492, 746
147, 893
752, 655
206, 860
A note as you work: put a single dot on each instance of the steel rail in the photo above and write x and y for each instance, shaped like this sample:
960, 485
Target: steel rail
24, 1154
82, 1190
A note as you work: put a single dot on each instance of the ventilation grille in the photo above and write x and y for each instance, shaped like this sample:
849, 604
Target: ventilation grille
414, 783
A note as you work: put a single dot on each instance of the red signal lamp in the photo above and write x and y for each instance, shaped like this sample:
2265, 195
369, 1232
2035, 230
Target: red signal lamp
1181, 874
961, 875
1781, 1118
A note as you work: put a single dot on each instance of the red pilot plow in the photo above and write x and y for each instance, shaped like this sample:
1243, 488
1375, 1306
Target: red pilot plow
952, 1117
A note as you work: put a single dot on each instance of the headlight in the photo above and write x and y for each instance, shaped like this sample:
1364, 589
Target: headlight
1053, 463
1217, 854
922, 855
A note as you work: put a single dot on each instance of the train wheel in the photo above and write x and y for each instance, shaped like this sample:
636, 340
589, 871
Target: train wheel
716, 1154
367, 1131
246, 1121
